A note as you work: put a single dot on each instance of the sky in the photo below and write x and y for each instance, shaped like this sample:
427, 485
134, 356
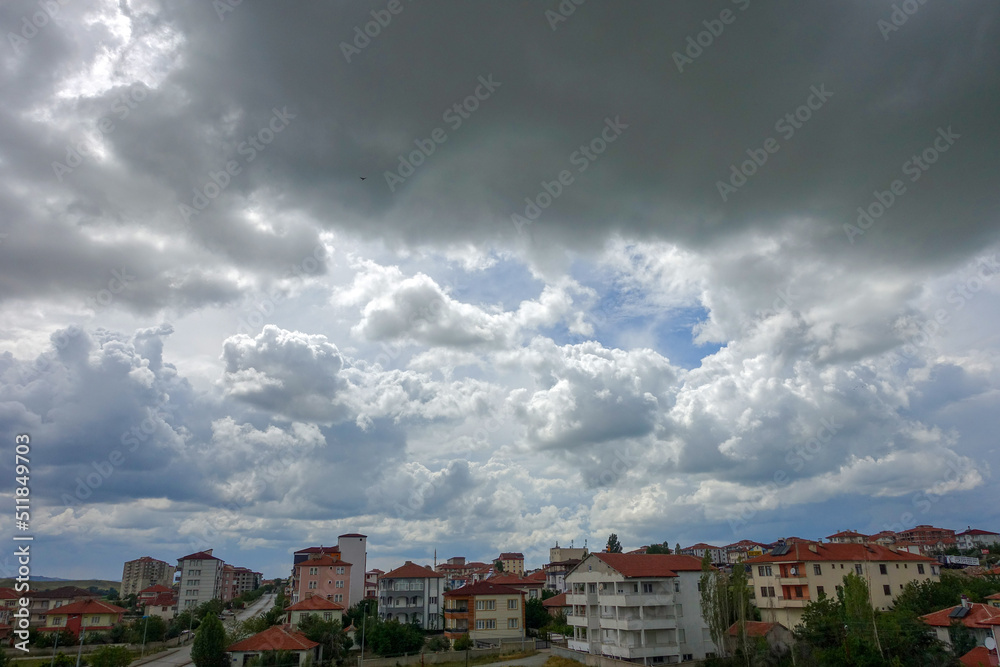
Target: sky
483, 277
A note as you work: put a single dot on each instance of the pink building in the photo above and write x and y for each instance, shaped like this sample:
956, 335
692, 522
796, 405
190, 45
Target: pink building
237, 581
324, 575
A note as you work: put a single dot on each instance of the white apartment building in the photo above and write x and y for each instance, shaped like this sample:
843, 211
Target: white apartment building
412, 593
643, 608
201, 578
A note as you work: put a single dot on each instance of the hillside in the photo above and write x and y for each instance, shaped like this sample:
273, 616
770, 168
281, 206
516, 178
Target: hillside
39, 585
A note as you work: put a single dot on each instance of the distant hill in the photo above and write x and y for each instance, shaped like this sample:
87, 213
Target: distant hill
47, 583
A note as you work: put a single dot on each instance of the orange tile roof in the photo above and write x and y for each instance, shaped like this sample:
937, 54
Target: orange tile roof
979, 657
201, 555
411, 571
324, 560
700, 545
846, 552
650, 565
754, 629
87, 607
980, 616
555, 601
511, 555
275, 638
315, 603
847, 533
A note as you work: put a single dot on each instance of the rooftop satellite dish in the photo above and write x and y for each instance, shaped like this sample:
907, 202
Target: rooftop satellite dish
990, 643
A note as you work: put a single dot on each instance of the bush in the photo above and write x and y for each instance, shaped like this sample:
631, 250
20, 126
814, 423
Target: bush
438, 643
463, 643
110, 656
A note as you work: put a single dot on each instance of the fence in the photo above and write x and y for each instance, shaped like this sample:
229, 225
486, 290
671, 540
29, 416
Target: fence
446, 656
592, 660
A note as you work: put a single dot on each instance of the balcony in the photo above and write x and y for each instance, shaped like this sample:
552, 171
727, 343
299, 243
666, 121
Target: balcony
578, 645
639, 623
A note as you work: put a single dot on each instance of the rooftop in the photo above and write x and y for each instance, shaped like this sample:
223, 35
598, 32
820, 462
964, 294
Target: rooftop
275, 638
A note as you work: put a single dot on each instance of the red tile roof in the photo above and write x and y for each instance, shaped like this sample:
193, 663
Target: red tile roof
754, 629
846, 533
161, 600
64, 593
555, 601
201, 555
514, 581
976, 531
411, 570
315, 603
8, 594
536, 576
156, 588
511, 555
322, 561
995, 596
275, 638
482, 588
979, 657
87, 607
650, 565
700, 545
846, 552
976, 618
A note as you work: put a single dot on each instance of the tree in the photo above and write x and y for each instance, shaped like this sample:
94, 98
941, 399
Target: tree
110, 656
463, 643
437, 643
715, 602
153, 627
658, 548
336, 643
355, 615
274, 659
962, 639
535, 614
209, 648
677, 548
498, 565
614, 546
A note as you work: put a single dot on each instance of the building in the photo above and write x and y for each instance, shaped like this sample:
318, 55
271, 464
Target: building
488, 612
848, 537
159, 601
643, 608
325, 609
884, 538
791, 576
8, 604
371, 583
531, 587
323, 575
699, 550
275, 638
201, 578
558, 553
993, 600
238, 580
145, 572
972, 538
980, 619
412, 593
44, 601
778, 638
980, 657
743, 550
352, 550
925, 535
556, 605
555, 574
513, 563
88, 615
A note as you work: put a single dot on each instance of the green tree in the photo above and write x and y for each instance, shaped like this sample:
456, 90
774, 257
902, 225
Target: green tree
535, 614
355, 615
716, 605
209, 648
962, 639
658, 548
153, 627
435, 643
274, 659
677, 548
336, 643
110, 656
463, 643
614, 546
498, 565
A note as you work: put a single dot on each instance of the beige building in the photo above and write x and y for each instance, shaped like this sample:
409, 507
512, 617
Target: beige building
145, 572
790, 577
513, 563
488, 612
201, 578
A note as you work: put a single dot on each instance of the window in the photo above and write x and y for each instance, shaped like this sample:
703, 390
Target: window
339, 597
327, 616
857, 568
764, 570
432, 600
920, 568
511, 604
312, 585
314, 570
647, 588
512, 623
340, 583
591, 588
763, 591
677, 586
194, 582
934, 569
887, 590
681, 637
882, 569
820, 591
798, 591
688, 656
699, 586
340, 570
486, 605
680, 611
486, 624
817, 568
770, 591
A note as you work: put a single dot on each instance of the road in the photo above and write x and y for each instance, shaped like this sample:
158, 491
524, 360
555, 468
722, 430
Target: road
183, 655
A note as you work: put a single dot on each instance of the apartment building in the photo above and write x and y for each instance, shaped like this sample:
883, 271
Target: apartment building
530, 586
925, 535
558, 553
848, 537
324, 575
980, 619
555, 573
238, 580
699, 550
513, 563
84, 616
201, 578
412, 593
743, 550
973, 538
352, 551
321, 607
643, 608
789, 577
488, 612
159, 601
371, 583
145, 572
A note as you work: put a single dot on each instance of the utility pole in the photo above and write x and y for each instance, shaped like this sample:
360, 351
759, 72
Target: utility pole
80, 651
145, 627
51, 664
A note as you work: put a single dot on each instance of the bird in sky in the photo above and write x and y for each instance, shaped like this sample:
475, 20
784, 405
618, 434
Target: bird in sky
363, 177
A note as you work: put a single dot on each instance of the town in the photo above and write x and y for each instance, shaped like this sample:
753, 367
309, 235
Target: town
925, 591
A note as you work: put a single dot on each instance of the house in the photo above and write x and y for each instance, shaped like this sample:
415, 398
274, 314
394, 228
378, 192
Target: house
555, 574
556, 604
532, 588
488, 612
848, 537
275, 638
778, 637
201, 578
925, 535
743, 550
145, 572
325, 609
323, 575
790, 576
86, 616
513, 563
993, 600
980, 657
159, 601
371, 583
972, 538
980, 619
351, 551
8, 604
412, 593
643, 608
43, 601
699, 550
883, 538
